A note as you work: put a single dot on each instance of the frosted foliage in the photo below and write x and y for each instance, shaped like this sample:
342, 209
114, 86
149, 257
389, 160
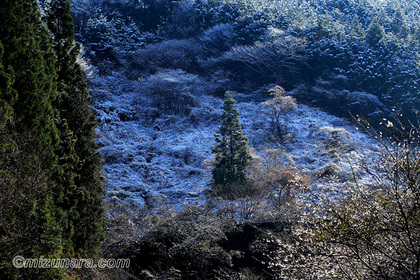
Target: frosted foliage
220, 36
176, 54
280, 103
172, 91
152, 152
275, 57
367, 229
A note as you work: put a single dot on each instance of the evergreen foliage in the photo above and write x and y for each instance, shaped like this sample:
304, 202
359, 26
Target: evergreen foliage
29, 137
82, 189
231, 149
29, 59
372, 45
50, 170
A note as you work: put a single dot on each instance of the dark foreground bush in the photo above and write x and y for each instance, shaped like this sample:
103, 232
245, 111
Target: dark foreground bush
198, 243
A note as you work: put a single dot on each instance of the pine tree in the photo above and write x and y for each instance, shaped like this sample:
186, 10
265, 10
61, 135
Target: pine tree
231, 151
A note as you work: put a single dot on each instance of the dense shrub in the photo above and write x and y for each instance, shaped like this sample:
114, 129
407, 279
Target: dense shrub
278, 60
170, 54
194, 243
218, 39
172, 92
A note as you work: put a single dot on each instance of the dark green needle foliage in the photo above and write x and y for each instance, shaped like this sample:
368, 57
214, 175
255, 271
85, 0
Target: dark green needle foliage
50, 169
78, 150
231, 149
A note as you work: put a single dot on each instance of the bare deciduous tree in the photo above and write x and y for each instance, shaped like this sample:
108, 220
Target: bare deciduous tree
371, 228
279, 105
273, 57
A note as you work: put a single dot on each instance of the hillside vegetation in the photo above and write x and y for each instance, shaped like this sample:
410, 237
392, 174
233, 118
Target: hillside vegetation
334, 49
51, 182
240, 139
314, 185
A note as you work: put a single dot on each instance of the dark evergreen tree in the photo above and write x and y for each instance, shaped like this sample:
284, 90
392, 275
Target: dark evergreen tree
80, 177
29, 58
231, 149
29, 139
7, 94
50, 169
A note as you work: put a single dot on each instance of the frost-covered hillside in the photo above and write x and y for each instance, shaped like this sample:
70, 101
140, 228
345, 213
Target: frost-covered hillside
161, 70
321, 200
150, 153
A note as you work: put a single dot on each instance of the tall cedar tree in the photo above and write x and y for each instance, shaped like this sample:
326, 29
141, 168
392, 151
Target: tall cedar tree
231, 151
50, 170
29, 59
82, 188
29, 138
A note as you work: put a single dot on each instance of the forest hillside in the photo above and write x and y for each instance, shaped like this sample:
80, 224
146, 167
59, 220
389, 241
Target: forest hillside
322, 91
204, 139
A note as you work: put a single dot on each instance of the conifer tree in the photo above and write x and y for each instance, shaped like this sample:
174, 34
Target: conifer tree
231, 149
29, 58
81, 188
6, 93
50, 170
29, 139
